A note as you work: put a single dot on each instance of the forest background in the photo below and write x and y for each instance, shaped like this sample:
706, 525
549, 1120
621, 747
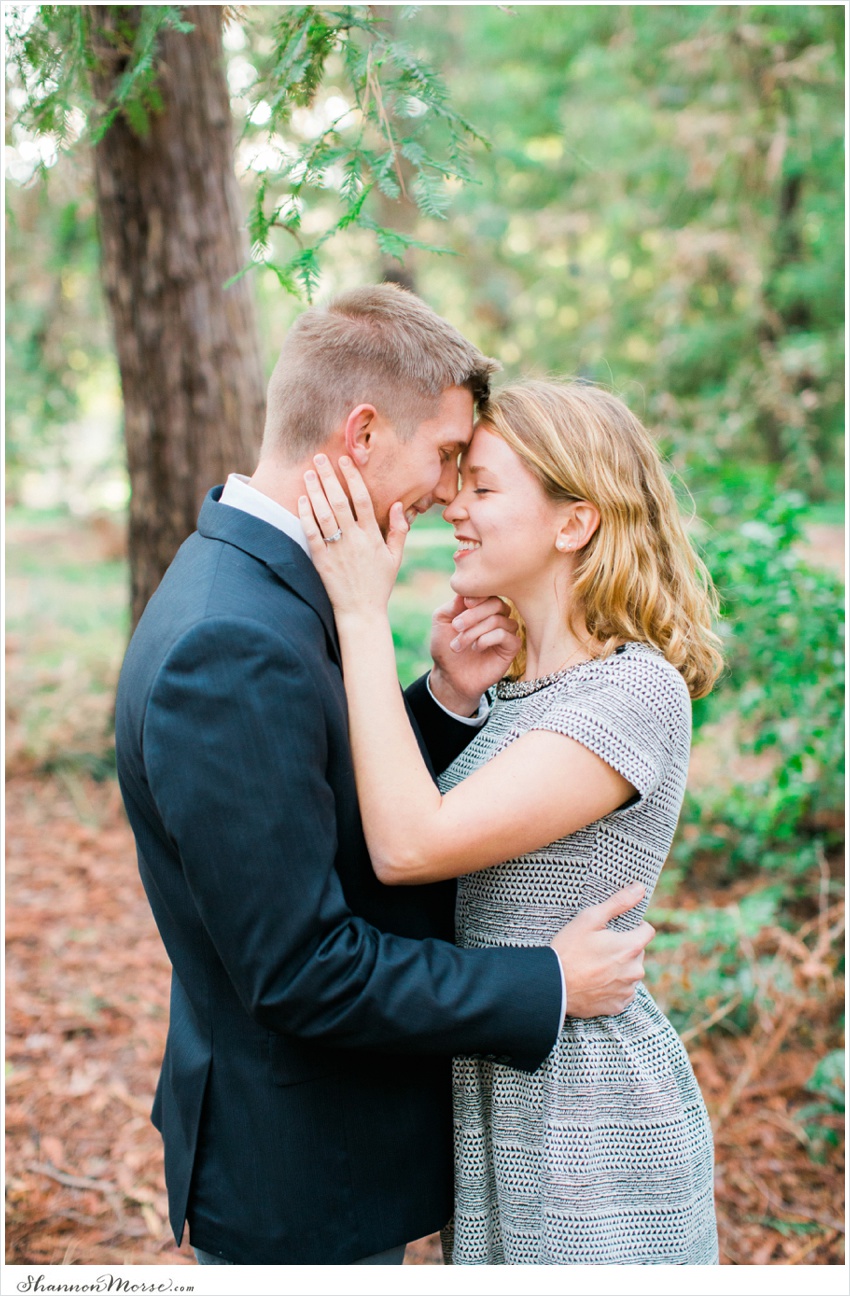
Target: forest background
651, 197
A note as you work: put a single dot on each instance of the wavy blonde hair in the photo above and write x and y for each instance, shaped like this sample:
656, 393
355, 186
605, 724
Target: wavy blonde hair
638, 577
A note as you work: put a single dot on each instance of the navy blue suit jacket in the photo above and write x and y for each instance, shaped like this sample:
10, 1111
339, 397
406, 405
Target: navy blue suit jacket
304, 1099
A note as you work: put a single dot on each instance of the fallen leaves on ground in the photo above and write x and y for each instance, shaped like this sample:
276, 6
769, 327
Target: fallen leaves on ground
87, 1002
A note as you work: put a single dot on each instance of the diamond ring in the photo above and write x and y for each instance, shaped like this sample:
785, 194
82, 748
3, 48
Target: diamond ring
337, 535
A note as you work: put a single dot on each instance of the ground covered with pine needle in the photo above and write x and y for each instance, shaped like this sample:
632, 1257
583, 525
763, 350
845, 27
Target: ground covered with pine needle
87, 996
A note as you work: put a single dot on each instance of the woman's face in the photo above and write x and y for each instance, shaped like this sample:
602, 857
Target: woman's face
505, 525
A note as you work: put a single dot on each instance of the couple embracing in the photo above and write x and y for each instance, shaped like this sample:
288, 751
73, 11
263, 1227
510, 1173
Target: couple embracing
406, 930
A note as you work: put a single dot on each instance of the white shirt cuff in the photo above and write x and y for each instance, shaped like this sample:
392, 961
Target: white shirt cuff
563, 991
475, 721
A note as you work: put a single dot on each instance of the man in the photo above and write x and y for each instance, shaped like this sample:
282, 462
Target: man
304, 1098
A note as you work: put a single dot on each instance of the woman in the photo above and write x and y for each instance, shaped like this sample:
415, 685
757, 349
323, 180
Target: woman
571, 790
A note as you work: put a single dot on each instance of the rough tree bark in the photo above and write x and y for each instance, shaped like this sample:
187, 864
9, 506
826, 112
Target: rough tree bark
397, 213
171, 235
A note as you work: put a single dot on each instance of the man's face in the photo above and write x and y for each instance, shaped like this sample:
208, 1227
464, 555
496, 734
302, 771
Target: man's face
422, 471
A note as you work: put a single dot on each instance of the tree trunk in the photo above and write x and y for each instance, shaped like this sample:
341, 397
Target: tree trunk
400, 213
171, 235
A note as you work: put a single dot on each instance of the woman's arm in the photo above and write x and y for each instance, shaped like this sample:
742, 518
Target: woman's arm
543, 787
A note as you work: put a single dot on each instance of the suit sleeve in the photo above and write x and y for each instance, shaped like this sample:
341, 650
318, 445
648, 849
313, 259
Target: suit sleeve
443, 737
236, 755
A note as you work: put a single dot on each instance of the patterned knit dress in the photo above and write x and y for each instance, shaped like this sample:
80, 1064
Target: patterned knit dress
604, 1155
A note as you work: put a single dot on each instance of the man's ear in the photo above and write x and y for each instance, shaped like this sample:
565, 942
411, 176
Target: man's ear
358, 434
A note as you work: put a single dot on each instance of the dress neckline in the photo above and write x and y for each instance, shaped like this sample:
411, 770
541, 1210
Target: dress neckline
508, 690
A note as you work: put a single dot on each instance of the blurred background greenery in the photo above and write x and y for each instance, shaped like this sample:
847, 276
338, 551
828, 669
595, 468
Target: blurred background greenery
659, 206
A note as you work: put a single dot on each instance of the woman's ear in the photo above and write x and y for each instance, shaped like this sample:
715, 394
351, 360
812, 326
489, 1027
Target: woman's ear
357, 434
579, 525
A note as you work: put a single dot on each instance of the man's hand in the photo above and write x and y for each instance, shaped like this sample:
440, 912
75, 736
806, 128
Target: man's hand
473, 642
602, 968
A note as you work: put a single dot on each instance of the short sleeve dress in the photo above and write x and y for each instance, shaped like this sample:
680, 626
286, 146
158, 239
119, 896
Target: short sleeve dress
603, 1155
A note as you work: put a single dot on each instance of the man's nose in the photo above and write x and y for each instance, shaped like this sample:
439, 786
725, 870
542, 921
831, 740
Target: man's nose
447, 486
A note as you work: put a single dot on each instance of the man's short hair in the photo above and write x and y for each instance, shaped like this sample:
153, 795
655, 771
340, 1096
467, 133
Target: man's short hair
378, 345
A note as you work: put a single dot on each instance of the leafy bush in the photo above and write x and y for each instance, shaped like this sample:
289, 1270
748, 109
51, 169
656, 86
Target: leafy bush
821, 1122
783, 690
704, 965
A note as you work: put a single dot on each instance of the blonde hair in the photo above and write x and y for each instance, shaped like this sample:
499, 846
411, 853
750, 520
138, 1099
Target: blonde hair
379, 345
638, 577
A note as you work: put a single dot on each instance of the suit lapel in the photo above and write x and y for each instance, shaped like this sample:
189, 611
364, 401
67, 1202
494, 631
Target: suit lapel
276, 550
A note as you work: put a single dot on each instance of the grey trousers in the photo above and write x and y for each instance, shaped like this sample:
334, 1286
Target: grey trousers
394, 1256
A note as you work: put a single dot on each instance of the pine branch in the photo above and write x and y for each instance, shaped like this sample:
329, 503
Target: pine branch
399, 134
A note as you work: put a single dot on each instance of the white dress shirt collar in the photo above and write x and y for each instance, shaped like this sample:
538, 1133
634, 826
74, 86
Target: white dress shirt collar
238, 493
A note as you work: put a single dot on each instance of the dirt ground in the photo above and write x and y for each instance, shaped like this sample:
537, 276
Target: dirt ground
87, 986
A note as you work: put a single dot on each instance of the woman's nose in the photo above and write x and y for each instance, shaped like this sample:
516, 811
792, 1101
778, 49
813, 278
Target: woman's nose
455, 509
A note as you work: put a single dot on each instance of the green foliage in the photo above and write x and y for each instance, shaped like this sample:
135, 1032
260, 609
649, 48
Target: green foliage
394, 128
303, 41
55, 49
136, 93
49, 52
66, 632
411, 631
822, 1121
435, 558
827, 1079
57, 341
714, 966
662, 210
784, 687
58, 347
391, 128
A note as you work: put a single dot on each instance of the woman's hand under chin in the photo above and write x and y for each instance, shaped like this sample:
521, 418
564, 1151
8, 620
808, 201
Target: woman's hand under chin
358, 567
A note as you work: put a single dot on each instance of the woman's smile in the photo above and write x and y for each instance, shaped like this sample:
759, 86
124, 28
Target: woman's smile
465, 547
501, 515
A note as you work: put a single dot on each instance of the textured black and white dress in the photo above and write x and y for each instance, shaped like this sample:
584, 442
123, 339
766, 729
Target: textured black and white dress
604, 1155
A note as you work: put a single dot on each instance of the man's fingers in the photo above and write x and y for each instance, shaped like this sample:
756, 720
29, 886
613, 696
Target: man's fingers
474, 612
448, 611
619, 903
643, 935
499, 638
501, 625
